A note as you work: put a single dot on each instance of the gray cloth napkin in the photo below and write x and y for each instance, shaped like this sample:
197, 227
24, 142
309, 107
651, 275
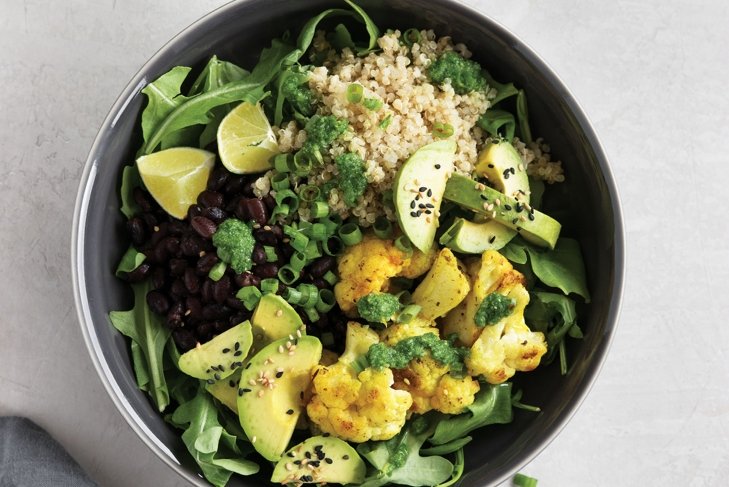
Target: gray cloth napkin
29, 457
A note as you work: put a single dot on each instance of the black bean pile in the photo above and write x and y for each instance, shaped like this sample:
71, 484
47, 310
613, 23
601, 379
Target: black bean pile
180, 254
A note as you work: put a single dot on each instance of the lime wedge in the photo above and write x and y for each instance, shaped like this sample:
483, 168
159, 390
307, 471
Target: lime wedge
176, 176
246, 141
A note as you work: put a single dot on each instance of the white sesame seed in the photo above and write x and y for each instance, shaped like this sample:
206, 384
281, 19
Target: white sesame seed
253, 440
279, 312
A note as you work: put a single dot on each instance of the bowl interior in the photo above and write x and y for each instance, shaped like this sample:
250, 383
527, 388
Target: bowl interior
238, 32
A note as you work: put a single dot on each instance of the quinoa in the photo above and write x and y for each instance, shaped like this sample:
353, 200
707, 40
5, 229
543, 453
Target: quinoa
409, 107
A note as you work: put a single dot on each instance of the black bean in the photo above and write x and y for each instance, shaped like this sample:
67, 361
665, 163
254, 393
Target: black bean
184, 339
139, 274
193, 211
215, 214
208, 199
158, 303
277, 231
221, 325
234, 184
158, 254
171, 245
247, 279
177, 228
159, 232
239, 317
218, 178
266, 237
150, 221
193, 311
204, 331
215, 311
158, 278
248, 189
143, 199
203, 226
266, 271
206, 263
178, 289
259, 255
137, 230
235, 303
322, 265
177, 267
221, 289
191, 245
287, 251
192, 282
320, 283
206, 291
254, 209
270, 202
175, 315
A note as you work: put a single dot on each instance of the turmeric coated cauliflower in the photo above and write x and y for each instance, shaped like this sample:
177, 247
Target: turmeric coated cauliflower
507, 346
368, 266
357, 408
428, 381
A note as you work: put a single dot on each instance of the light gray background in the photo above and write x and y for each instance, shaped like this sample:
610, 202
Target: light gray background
652, 76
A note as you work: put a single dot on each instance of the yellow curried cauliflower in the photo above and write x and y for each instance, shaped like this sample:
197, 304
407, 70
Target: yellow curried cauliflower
509, 345
368, 266
357, 408
429, 382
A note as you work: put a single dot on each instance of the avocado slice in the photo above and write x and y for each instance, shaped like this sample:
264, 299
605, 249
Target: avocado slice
320, 459
534, 226
272, 386
273, 319
501, 164
220, 357
418, 191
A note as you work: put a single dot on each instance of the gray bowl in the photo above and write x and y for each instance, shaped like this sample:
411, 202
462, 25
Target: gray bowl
238, 32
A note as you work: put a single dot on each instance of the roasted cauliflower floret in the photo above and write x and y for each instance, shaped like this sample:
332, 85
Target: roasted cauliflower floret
509, 345
357, 408
428, 381
368, 266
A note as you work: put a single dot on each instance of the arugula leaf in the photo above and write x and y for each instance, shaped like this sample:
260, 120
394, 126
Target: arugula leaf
214, 449
130, 180
216, 74
131, 259
398, 459
492, 406
341, 38
370, 25
150, 335
445, 449
503, 91
493, 120
554, 315
458, 468
163, 95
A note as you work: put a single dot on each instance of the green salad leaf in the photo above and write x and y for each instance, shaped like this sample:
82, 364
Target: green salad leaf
149, 336
503, 90
215, 450
554, 315
130, 180
498, 123
522, 114
163, 95
131, 259
492, 406
398, 460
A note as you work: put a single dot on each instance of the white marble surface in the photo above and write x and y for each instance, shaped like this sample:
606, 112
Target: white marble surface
652, 76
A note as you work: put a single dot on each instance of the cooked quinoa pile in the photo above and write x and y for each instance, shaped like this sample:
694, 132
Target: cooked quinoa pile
408, 108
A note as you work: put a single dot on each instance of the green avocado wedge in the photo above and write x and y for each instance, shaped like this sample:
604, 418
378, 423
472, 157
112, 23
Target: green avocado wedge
470, 237
220, 357
320, 459
532, 225
271, 392
418, 191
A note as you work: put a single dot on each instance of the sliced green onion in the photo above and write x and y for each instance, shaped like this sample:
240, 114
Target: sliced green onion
382, 227
299, 242
327, 338
249, 295
320, 209
408, 313
326, 301
312, 314
372, 104
309, 192
269, 286
521, 480
442, 130
287, 197
288, 275
410, 37
385, 122
405, 297
298, 261
280, 181
271, 255
319, 232
355, 92
404, 245
350, 234
336, 218
333, 246
292, 295
303, 164
283, 163
309, 295
313, 250
331, 226
330, 278
217, 271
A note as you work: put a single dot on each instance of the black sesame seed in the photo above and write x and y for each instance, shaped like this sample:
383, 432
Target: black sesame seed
531, 216
221, 368
429, 205
514, 221
345, 457
207, 371
519, 207
437, 166
430, 193
483, 197
210, 381
308, 455
237, 354
492, 239
421, 206
297, 462
506, 174
279, 374
507, 207
512, 170
491, 166
237, 346
248, 365
320, 455
412, 204
241, 392
329, 460
314, 463
422, 188
213, 367
246, 389
217, 376
231, 383
290, 454
326, 435
290, 412
414, 214
428, 212
226, 350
